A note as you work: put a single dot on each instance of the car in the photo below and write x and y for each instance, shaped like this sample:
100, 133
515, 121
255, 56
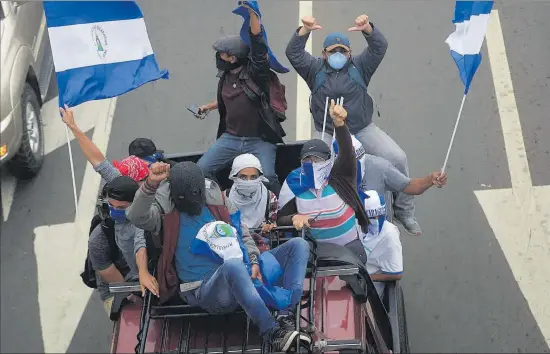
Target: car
343, 313
26, 70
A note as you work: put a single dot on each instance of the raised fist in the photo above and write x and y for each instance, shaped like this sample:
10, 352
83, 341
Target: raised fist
338, 114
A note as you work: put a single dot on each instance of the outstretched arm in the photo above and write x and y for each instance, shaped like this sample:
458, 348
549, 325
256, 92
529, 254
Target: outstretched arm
369, 60
304, 63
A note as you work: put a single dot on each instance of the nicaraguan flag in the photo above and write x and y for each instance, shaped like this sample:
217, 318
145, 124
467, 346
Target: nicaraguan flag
245, 36
100, 49
471, 20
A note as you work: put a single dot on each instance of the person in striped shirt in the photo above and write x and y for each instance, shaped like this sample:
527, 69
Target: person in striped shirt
322, 194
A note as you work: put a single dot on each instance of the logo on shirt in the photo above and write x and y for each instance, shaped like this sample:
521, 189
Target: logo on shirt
99, 39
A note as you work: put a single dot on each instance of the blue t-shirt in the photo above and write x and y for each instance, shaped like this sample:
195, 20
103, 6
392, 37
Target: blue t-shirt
191, 267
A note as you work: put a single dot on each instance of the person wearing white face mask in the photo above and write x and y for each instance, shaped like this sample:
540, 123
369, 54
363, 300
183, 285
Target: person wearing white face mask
382, 243
258, 205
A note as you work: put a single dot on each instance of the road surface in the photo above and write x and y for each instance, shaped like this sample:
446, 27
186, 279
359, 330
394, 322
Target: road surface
461, 293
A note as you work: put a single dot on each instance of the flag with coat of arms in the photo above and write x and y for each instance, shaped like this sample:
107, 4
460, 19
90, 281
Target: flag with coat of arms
101, 49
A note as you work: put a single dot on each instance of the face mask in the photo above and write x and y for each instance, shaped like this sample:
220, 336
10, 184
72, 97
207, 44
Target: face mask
315, 174
247, 188
225, 65
153, 158
337, 60
118, 215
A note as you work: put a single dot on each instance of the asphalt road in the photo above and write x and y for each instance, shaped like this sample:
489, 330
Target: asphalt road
461, 295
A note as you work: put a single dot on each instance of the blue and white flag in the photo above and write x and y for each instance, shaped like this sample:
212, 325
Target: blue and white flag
100, 49
245, 35
471, 20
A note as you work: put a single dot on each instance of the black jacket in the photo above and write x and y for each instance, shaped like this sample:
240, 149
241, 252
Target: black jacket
258, 71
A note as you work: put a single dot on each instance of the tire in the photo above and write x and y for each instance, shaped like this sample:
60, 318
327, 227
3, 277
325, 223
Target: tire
26, 163
402, 320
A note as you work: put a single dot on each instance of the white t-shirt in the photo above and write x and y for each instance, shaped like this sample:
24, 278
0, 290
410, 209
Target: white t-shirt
384, 253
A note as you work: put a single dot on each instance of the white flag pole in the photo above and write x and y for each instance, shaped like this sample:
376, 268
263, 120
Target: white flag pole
453, 136
325, 121
72, 169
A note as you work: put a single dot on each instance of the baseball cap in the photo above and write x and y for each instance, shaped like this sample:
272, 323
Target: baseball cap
232, 45
317, 148
142, 147
336, 39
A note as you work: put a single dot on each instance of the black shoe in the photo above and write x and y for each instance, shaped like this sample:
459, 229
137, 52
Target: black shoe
288, 323
281, 339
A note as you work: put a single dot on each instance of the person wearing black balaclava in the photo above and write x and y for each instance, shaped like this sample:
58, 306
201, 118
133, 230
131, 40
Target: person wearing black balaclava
240, 130
178, 201
129, 240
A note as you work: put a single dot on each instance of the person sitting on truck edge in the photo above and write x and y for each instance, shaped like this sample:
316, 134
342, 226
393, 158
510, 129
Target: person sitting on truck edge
241, 127
322, 194
257, 204
376, 173
130, 241
180, 201
337, 73
382, 243
142, 152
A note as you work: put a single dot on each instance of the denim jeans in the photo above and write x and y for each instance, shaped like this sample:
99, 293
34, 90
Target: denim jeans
376, 142
230, 286
227, 147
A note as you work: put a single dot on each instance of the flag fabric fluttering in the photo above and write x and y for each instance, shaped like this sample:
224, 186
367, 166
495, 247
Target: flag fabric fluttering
245, 35
471, 19
101, 49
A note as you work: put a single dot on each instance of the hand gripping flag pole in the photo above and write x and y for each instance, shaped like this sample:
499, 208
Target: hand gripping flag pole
115, 59
471, 19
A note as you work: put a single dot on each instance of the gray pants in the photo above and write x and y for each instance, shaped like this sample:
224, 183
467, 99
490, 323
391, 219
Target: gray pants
380, 144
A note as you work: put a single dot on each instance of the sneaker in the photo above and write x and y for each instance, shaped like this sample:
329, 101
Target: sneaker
288, 323
282, 339
410, 225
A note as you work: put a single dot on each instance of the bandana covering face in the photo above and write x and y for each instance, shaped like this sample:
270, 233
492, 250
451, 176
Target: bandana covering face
314, 175
132, 167
249, 196
187, 188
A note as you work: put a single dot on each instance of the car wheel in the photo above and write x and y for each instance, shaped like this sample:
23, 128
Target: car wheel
402, 320
26, 163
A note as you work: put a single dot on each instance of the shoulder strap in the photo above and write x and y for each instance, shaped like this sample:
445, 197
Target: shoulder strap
267, 205
108, 228
220, 212
320, 77
356, 76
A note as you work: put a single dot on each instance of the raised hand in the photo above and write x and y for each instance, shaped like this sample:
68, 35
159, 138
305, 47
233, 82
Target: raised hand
338, 114
67, 116
158, 172
361, 24
310, 23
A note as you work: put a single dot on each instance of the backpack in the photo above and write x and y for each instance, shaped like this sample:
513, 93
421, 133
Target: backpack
354, 74
277, 92
108, 226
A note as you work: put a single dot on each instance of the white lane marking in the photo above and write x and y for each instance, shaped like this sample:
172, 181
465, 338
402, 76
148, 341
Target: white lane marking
8, 186
61, 295
303, 115
518, 216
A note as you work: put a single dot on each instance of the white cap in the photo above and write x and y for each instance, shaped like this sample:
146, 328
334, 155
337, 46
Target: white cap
245, 161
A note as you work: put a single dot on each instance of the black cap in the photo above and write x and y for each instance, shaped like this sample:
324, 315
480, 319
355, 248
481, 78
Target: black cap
122, 188
315, 147
142, 147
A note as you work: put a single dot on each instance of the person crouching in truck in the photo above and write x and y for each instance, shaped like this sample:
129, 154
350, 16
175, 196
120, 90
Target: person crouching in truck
322, 194
181, 202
